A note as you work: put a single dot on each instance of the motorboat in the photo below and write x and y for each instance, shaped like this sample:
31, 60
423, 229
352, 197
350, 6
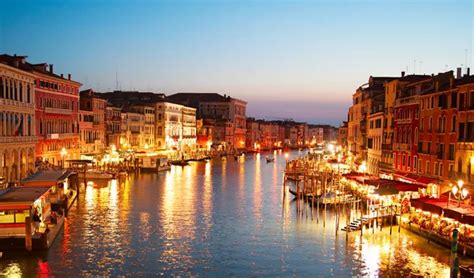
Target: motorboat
270, 159
96, 175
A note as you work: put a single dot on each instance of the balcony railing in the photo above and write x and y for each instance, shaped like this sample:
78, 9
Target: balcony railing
58, 111
61, 135
18, 139
16, 103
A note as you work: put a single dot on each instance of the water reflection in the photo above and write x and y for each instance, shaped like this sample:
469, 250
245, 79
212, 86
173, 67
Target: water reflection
217, 218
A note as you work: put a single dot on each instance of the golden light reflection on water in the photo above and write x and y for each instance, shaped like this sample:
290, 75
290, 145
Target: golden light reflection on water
257, 193
397, 255
178, 218
211, 216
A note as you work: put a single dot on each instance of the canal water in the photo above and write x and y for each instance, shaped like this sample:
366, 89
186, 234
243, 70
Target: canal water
223, 217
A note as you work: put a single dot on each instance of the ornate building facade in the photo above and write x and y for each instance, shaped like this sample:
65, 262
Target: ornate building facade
17, 119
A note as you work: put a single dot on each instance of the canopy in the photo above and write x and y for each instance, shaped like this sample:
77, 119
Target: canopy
464, 214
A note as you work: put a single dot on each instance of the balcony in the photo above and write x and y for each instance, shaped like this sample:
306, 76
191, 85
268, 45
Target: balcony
18, 139
16, 103
57, 111
61, 135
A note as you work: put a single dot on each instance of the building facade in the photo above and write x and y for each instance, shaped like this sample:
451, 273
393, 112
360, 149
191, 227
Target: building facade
17, 120
57, 115
464, 160
175, 126
92, 123
374, 141
229, 115
112, 126
437, 132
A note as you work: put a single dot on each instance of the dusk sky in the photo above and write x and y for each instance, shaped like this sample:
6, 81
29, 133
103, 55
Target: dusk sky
288, 59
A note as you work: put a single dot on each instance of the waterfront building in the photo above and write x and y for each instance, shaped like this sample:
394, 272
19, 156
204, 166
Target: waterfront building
112, 125
392, 90
204, 132
406, 126
374, 140
437, 131
371, 94
464, 160
342, 136
57, 111
176, 126
17, 119
132, 127
92, 124
252, 140
229, 114
315, 135
148, 135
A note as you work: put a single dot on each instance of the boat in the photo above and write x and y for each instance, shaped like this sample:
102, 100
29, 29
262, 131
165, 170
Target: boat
179, 162
154, 163
269, 159
96, 175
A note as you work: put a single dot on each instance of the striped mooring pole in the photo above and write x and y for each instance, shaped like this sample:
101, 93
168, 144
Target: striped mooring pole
454, 261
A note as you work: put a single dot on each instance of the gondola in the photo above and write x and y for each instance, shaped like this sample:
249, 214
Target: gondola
179, 163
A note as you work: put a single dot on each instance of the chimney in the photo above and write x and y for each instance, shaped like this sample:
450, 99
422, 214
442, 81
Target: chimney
458, 73
51, 68
468, 71
68, 76
62, 75
403, 74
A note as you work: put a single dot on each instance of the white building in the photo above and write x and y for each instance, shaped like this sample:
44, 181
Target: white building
175, 126
17, 122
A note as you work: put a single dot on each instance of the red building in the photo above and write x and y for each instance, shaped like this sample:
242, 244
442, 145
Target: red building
438, 127
57, 115
56, 101
406, 125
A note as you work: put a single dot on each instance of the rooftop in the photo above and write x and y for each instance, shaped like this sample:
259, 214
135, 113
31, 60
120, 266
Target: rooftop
21, 63
47, 176
23, 194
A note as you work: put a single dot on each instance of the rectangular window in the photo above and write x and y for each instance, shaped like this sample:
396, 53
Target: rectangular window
454, 100
427, 170
451, 152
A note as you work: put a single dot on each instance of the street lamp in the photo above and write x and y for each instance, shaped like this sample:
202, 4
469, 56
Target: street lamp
459, 192
63, 154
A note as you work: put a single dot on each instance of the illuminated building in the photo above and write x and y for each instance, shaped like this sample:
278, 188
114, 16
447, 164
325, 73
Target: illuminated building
17, 121
464, 160
367, 96
92, 123
112, 125
175, 126
57, 111
437, 130
228, 114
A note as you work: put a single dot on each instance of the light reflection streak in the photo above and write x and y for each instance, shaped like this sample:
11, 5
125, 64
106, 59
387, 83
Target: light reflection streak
257, 194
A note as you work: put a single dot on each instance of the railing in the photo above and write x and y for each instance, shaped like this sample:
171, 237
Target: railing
58, 111
61, 135
16, 103
18, 139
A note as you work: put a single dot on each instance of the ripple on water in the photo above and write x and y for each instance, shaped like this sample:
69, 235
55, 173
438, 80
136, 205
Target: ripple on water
216, 219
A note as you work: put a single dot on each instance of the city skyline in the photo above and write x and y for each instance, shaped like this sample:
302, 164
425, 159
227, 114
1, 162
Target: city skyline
246, 49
